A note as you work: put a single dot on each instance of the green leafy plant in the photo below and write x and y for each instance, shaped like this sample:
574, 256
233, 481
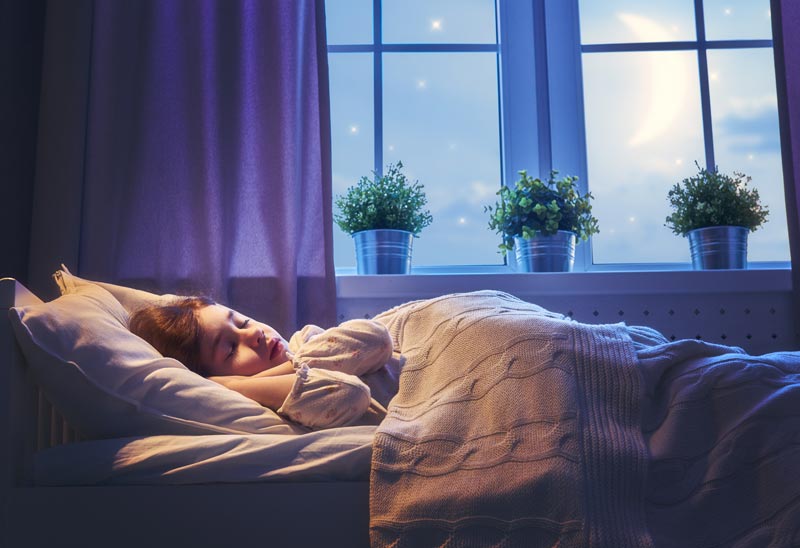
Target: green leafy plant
388, 201
711, 198
535, 207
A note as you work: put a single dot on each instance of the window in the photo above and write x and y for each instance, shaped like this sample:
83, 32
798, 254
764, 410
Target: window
628, 96
416, 81
666, 84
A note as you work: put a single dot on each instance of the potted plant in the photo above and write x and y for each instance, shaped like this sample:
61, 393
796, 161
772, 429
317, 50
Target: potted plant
383, 215
542, 220
716, 212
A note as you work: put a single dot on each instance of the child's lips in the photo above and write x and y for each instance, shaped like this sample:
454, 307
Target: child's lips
274, 349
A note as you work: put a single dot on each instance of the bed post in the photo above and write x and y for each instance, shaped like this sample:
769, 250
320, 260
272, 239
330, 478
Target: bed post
18, 403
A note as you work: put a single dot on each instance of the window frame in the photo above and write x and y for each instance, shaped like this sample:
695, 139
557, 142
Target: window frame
701, 45
377, 48
540, 85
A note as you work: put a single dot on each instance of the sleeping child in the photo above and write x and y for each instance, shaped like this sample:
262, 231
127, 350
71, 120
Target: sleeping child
313, 379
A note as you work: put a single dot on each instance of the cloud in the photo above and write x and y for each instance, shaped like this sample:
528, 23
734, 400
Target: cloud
482, 193
749, 134
751, 107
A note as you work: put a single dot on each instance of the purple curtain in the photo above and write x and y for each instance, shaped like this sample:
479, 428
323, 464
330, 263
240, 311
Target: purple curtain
786, 22
185, 147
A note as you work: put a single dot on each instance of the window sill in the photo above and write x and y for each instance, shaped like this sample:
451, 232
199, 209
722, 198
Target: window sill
425, 284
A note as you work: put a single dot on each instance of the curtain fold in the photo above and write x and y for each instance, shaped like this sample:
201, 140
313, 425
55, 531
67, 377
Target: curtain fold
191, 141
786, 21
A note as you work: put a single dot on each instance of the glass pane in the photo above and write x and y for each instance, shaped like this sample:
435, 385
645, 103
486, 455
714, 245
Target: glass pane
348, 21
352, 133
438, 21
441, 121
747, 140
623, 21
643, 134
737, 19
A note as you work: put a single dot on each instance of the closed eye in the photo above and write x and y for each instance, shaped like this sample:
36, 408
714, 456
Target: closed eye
234, 346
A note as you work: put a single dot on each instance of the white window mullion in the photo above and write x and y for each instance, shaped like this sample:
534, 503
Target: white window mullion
567, 130
517, 70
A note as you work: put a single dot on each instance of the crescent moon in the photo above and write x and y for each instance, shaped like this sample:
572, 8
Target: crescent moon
668, 80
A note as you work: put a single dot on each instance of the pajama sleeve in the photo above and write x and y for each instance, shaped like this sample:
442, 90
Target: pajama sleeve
325, 399
303, 336
356, 347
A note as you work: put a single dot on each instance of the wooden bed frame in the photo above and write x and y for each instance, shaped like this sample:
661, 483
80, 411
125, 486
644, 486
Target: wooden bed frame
329, 514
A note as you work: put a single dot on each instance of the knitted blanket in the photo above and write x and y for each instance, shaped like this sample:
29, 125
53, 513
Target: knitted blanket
514, 426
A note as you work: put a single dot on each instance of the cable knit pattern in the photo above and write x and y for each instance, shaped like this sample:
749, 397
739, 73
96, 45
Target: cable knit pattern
516, 427
513, 426
723, 433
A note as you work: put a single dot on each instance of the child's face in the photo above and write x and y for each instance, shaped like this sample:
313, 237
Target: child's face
236, 345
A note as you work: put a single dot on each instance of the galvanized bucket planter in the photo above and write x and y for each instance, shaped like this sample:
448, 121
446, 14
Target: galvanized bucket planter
383, 251
718, 247
554, 253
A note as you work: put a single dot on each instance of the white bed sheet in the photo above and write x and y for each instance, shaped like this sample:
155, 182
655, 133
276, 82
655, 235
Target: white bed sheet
338, 454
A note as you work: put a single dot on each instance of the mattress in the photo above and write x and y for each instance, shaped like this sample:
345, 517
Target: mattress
338, 454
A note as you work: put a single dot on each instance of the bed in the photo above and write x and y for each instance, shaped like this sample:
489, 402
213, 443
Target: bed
315, 507
513, 426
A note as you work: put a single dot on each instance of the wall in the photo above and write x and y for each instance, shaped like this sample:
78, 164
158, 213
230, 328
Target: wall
21, 32
720, 307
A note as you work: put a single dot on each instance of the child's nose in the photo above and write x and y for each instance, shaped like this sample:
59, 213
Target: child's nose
254, 335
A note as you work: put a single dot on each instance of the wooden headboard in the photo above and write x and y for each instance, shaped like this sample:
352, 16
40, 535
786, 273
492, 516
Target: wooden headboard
18, 395
28, 422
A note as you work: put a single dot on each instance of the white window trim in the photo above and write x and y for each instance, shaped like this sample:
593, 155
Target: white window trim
417, 286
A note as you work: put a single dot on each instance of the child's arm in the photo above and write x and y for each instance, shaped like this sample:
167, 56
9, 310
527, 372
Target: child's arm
269, 391
286, 368
312, 397
325, 399
269, 388
356, 347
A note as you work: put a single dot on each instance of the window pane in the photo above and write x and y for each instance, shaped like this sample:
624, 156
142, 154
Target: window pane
643, 134
623, 21
441, 121
438, 21
352, 133
737, 19
747, 139
348, 21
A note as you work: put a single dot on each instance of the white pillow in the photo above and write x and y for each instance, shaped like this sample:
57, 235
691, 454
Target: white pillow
131, 299
107, 382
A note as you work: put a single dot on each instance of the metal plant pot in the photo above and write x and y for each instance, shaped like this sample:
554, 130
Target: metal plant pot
383, 251
718, 247
554, 253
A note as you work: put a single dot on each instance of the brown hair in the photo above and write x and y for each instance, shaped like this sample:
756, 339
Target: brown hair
174, 329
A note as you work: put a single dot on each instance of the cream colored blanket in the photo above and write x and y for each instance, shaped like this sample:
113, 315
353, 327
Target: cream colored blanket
513, 426
516, 427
